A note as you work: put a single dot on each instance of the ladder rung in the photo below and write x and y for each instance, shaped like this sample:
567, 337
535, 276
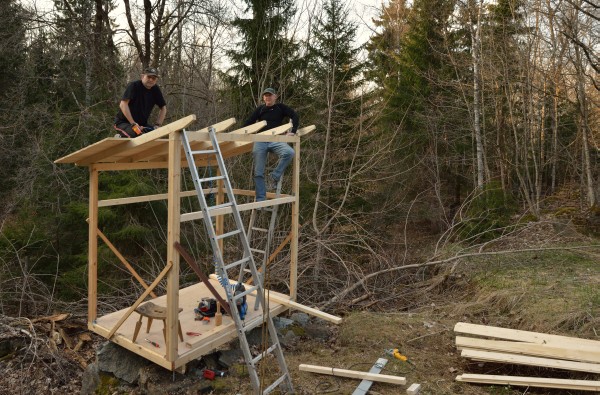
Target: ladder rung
236, 263
275, 384
246, 292
257, 250
228, 234
204, 152
263, 354
215, 178
260, 229
228, 204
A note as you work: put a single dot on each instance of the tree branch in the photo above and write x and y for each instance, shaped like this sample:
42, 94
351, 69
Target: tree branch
341, 295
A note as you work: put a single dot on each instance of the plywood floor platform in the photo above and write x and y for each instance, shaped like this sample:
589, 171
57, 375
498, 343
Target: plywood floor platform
192, 347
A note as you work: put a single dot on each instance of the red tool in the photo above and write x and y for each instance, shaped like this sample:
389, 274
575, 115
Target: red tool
192, 333
153, 343
211, 374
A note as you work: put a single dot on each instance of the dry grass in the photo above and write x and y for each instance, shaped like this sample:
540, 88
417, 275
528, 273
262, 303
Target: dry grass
547, 292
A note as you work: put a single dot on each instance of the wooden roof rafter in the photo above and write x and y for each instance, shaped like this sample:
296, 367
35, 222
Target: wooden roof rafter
105, 150
150, 151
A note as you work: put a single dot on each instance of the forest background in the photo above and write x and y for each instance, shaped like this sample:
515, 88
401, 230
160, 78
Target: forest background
456, 123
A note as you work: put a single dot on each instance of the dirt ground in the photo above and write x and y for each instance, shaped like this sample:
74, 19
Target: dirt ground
552, 291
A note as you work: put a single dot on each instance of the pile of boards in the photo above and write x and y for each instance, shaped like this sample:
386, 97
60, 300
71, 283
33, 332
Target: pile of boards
502, 345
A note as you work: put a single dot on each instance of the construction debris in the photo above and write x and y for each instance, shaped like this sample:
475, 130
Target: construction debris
353, 374
581, 385
414, 389
503, 345
365, 385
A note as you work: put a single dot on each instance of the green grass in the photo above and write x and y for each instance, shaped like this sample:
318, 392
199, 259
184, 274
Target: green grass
554, 290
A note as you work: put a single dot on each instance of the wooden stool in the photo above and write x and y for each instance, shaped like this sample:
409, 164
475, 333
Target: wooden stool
152, 311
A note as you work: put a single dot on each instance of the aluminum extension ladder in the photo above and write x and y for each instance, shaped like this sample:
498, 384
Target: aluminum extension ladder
247, 261
252, 228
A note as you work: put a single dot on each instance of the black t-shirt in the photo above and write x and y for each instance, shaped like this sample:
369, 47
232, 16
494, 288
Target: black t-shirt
141, 102
274, 116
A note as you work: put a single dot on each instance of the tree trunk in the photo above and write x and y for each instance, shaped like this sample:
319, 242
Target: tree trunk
476, 44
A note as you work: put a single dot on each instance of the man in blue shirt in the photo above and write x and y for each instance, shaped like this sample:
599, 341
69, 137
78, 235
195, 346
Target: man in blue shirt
137, 103
273, 113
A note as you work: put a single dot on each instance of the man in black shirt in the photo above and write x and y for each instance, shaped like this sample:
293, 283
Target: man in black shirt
136, 105
273, 113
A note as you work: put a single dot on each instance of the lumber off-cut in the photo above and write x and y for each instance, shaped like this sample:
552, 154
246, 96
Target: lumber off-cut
490, 356
582, 385
526, 336
353, 374
538, 350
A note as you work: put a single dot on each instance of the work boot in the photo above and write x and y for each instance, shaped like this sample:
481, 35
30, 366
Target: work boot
271, 184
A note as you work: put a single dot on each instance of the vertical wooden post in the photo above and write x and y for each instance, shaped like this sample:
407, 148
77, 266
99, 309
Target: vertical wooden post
93, 248
295, 214
173, 229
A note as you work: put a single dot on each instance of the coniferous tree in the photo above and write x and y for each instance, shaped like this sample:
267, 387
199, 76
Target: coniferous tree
335, 78
416, 109
12, 96
336, 104
265, 56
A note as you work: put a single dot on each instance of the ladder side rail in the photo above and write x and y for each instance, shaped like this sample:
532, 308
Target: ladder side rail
249, 237
270, 235
222, 272
278, 351
235, 212
260, 295
258, 284
219, 256
201, 198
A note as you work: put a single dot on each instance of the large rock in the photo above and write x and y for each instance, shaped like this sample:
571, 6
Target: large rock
90, 380
120, 362
300, 318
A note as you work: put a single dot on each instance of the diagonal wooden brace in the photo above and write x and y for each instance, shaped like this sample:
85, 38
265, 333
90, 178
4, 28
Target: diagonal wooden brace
140, 299
188, 258
123, 260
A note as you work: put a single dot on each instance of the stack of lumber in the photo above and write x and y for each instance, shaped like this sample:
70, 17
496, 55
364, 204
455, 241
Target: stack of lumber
502, 345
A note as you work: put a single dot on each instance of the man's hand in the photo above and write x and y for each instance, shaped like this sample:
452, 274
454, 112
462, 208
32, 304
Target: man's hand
290, 134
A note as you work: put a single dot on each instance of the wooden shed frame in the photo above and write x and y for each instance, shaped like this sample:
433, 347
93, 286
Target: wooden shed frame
162, 149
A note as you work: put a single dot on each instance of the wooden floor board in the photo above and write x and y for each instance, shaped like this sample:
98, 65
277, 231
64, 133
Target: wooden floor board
193, 346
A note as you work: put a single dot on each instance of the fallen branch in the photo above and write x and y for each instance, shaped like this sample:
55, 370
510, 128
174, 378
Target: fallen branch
361, 282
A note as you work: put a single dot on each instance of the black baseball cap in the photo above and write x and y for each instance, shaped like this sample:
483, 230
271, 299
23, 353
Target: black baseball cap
270, 91
151, 71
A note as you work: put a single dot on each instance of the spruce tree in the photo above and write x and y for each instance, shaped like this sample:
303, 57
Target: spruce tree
264, 57
335, 76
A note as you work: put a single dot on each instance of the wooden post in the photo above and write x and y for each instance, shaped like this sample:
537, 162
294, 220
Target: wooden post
173, 229
295, 214
93, 248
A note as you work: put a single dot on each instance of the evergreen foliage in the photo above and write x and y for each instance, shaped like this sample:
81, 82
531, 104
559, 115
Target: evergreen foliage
403, 154
335, 78
265, 56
